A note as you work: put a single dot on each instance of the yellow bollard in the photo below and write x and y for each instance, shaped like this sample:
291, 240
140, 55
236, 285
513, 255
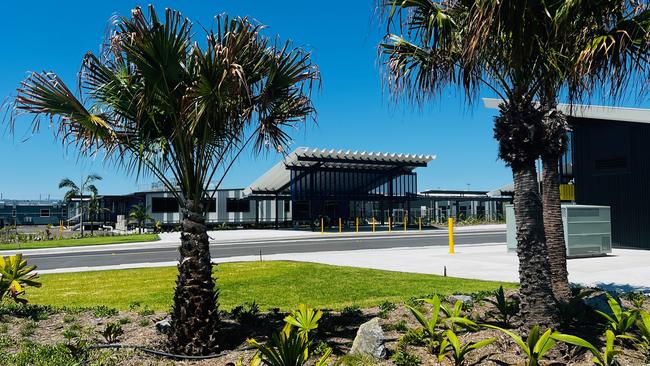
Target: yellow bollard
340, 225
373, 224
420, 223
405, 220
390, 224
322, 226
357, 221
450, 224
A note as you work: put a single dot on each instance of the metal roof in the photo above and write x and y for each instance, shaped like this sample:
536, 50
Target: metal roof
636, 115
277, 178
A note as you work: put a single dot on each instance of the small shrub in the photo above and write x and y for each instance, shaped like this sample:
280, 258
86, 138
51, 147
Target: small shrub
134, 305
28, 329
72, 331
4, 328
400, 326
622, 321
403, 358
322, 348
453, 349
356, 359
68, 318
535, 346
246, 313
413, 337
351, 312
506, 308
606, 358
144, 322
124, 321
112, 332
104, 311
146, 311
385, 308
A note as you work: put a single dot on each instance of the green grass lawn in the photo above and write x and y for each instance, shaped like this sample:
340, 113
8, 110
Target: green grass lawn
94, 240
271, 284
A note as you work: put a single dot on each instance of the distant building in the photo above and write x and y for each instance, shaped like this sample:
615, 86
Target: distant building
16, 212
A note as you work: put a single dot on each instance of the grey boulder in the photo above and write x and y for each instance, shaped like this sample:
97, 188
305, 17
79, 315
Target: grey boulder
163, 326
370, 339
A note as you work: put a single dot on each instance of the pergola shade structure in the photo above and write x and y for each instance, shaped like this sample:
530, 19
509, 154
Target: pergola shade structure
343, 184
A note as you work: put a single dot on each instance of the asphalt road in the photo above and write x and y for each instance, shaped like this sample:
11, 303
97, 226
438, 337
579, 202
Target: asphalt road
235, 249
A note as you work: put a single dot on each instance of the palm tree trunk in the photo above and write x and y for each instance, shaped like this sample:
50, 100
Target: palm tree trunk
194, 315
537, 300
554, 229
555, 130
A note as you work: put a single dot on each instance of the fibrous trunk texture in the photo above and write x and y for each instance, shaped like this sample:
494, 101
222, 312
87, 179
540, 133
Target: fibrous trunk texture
195, 318
538, 305
555, 127
519, 131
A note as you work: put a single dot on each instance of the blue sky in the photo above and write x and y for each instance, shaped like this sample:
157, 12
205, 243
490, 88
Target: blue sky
353, 111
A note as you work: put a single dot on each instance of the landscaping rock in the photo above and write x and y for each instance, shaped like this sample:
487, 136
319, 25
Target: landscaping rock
164, 325
370, 339
598, 301
465, 299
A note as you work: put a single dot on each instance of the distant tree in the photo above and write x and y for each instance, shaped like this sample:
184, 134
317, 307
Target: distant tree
94, 209
140, 214
79, 190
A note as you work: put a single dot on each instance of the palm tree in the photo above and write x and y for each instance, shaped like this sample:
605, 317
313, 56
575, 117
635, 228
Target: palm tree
140, 215
157, 102
87, 186
94, 209
431, 45
589, 43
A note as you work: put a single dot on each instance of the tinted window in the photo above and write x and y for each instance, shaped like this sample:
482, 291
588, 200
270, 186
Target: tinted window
164, 204
238, 205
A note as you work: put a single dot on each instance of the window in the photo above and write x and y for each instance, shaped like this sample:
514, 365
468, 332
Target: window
287, 205
13, 213
164, 204
238, 205
45, 213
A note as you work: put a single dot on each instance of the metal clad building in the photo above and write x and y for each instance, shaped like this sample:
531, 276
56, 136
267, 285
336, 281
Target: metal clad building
14, 212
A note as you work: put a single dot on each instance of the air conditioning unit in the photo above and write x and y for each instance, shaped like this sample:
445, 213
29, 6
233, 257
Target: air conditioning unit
587, 230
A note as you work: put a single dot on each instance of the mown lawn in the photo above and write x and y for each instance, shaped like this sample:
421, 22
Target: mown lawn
271, 284
93, 240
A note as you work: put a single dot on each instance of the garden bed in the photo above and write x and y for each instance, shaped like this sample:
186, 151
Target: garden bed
51, 335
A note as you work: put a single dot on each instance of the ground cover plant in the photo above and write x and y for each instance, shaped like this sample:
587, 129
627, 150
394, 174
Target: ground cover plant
94, 240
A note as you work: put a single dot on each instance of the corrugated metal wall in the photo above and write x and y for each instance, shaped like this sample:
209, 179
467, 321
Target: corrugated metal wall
612, 167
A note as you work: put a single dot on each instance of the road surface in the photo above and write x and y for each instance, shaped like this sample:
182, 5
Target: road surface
92, 257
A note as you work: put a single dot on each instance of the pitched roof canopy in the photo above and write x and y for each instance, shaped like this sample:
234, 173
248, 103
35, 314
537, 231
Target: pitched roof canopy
277, 178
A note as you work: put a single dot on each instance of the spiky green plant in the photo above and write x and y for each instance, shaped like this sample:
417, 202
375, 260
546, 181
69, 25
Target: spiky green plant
535, 346
15, 276
453, 349
620, 322
605, 358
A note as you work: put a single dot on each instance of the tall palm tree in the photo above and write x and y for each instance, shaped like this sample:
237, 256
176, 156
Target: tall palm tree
431, 45
158, 102
79, 190
596, 45
140, 215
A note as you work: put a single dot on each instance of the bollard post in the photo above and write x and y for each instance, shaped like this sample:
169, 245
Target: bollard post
390, 224
450, 224
420, 223
322, 226
405, 220
373, 224
340, 225
357, 222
